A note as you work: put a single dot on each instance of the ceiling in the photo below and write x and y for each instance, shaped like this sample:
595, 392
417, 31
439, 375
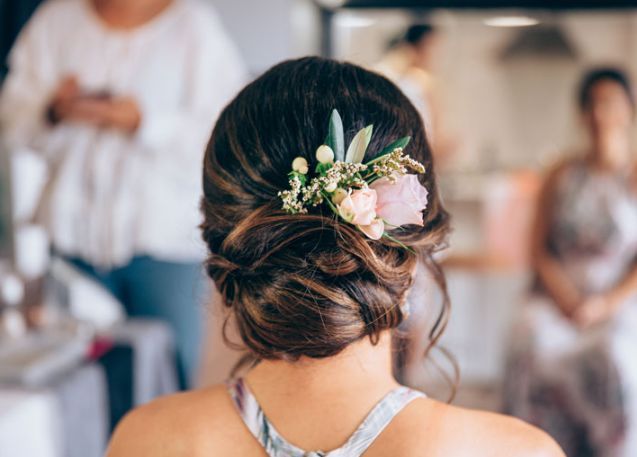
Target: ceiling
489, 4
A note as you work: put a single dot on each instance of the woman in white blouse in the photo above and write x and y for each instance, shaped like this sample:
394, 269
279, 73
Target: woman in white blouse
120, 96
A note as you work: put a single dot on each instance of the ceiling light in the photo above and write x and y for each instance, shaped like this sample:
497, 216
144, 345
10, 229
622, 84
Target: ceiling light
511, 21
353, 21
331, 3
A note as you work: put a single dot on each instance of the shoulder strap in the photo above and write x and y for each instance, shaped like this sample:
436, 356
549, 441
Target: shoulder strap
276, 446
256, 421
376, 421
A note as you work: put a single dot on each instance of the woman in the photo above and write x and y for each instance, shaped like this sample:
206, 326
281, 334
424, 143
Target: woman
572, 371
316, 290
119, 97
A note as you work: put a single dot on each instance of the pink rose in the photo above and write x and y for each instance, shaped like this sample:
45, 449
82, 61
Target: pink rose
401, 202
359, 208
374, 230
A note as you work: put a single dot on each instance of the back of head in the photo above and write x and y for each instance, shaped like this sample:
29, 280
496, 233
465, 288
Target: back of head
416, 33
308, 284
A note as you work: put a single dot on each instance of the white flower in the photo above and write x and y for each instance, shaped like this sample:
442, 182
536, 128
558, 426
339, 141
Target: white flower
324, 154
331, 187
300, 165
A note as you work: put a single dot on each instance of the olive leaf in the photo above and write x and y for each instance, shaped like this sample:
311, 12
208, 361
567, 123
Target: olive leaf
399, 143
335, 136
358, 146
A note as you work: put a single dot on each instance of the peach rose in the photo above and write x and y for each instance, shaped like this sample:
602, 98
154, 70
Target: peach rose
359, 207
374, 230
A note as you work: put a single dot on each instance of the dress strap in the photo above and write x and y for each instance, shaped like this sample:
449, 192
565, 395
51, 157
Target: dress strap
276, 446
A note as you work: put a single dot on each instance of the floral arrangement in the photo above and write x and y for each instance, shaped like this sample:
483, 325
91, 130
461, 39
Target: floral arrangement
374, 196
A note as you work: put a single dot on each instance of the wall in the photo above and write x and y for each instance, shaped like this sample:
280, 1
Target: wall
268, 32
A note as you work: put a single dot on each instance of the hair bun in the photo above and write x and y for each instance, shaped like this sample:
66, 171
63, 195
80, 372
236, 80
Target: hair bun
307, 284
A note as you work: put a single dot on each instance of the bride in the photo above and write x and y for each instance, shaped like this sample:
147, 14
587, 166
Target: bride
313, 244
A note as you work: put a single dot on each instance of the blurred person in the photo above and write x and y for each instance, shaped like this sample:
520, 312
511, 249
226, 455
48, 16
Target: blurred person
316, 295
119, 97
408, 63
572, 370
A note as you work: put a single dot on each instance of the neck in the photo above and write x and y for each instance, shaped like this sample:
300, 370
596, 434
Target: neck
127, 13
611, 152
360, 368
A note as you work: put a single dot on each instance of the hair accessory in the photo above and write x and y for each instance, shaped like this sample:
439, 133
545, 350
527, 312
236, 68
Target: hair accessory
374, 196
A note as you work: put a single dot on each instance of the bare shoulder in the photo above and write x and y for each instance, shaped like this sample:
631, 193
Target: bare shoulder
432, 428
190, 423
504, 435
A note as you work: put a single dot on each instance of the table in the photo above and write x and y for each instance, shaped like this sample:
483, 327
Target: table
67, 419
73, 415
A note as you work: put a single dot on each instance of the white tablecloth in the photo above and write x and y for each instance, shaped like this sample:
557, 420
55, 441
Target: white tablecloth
29, 424
68, 418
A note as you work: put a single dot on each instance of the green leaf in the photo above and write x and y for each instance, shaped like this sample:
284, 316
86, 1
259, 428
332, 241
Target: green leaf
321, 168
335, 136
358, 146
399, 143
301, 177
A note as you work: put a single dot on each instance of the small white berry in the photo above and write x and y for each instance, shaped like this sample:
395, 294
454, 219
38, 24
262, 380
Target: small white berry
331, 187
324, 154
300, 165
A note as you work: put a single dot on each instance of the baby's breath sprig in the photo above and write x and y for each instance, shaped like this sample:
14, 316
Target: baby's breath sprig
394, 164
291, 202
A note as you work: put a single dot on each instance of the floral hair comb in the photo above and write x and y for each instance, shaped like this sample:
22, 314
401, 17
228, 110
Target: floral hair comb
372, 196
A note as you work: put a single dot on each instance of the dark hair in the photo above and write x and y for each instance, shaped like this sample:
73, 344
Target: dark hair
309, 284
417, 32
597, 75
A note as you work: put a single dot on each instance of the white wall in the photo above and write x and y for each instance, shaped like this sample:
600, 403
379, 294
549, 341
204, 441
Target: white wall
269, 31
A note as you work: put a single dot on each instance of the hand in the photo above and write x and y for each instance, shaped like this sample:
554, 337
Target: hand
67, 90
594, 310
125, 114
121, 113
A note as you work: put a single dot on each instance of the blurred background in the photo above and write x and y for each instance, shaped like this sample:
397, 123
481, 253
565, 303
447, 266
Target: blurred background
497, 84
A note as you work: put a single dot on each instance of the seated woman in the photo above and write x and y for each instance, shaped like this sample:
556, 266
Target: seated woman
313, 249
572, 370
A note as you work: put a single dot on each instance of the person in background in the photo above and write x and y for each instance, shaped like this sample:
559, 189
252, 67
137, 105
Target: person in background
120, 96
408, 63
572, 369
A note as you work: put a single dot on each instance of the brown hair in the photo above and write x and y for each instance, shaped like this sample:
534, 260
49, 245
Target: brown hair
590, 80
309, 285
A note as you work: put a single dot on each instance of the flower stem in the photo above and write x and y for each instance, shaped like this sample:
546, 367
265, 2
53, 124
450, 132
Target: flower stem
387, 235
329, 202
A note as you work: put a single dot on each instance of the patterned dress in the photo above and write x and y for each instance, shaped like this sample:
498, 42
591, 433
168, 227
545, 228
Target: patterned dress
581, 385
276, 446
